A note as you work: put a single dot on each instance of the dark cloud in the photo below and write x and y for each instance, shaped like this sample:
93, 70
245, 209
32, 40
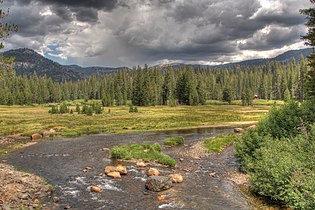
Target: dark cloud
84, 10
129, 32
96, 4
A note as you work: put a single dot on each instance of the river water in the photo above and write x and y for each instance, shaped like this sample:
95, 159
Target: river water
61, 163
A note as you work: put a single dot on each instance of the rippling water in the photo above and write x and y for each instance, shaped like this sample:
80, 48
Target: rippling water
61, 163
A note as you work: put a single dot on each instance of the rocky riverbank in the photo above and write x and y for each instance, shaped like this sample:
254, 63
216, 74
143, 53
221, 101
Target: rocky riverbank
20, 190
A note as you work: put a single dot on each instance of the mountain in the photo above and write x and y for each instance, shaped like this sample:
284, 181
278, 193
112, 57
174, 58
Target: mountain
27, 62
284, 58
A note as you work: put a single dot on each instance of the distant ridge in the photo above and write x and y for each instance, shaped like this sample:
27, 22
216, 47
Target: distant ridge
28, 61
284, 58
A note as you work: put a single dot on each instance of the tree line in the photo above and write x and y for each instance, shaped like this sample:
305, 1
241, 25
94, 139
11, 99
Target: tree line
153, 86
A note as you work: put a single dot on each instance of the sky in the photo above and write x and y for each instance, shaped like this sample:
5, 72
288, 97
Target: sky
137, 32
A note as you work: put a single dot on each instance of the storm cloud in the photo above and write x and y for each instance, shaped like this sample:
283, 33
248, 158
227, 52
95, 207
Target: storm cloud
131, 32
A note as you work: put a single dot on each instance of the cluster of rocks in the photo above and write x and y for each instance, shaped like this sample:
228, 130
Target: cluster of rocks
155, 181
158, 183
115, 171
21, 190
50, 132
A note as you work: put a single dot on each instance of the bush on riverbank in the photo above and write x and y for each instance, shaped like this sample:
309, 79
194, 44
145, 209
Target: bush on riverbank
279, 155
284, 171
177, 140
141, 151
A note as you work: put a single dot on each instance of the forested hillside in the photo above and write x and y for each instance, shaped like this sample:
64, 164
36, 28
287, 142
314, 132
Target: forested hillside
27, 62
151, 86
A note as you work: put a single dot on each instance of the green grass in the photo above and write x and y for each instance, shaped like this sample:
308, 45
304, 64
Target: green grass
27, 120
239, 102
177, 140
141, 151
218, 143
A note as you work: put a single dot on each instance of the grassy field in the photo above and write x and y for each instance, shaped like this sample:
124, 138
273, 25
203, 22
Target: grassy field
27, 120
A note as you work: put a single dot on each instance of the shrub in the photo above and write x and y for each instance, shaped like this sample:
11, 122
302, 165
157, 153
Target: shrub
89, 111
54, 110
77, 109
308, 113
246, 147
63, 108
282, 122
178, 140
141, 151
133, 109
218, 143
284, 171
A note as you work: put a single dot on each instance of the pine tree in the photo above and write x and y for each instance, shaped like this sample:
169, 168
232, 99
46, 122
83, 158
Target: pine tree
63, 108
286, 95
5, 29
77, 109
310, 41
227, 94
201, 89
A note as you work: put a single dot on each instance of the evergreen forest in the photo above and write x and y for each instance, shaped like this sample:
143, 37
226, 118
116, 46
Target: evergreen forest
149, 86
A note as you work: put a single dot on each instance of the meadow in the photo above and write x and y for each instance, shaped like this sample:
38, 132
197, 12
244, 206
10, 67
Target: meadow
27, 120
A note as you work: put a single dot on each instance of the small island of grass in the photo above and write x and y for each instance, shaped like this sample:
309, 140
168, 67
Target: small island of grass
141, 151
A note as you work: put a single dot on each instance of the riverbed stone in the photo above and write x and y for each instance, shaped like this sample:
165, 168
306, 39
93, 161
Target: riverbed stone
121, 169
36, 136
176, 178
141, 164
96, 189
153, 172
115, 175
158, 183
109, 169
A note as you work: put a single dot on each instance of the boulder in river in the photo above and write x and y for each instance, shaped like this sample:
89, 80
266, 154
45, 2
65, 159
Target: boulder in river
153, 172
115, 175
109, 169
36, 136
158, 183
238, 130
121, 169
96, 189
141, 164
176, 178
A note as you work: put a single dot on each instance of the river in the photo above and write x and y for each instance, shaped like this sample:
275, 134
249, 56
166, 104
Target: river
61, 162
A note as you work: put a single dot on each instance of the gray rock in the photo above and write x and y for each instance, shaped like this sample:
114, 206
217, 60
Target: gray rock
158, 183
